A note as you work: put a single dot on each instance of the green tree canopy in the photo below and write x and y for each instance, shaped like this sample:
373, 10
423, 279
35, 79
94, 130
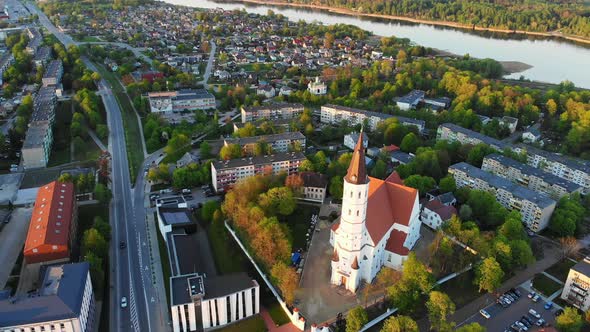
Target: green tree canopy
356, 319
488, 275
569, 321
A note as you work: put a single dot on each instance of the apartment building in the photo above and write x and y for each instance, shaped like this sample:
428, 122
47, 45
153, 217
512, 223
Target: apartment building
410, 101
52, 229
182, 100
53, 73
43, 56
574, 170
577, 286
36, 148
225, 173
283, 142
335, 114
64, 303
528, 176
280, 111
535, 208
452, 132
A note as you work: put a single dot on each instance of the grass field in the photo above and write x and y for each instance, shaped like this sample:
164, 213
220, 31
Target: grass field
560, 269
60, 151
132, 130
545, 285
277, 314
251, 324
166, 271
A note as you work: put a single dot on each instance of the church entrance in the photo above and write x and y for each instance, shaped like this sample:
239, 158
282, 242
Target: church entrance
343, 281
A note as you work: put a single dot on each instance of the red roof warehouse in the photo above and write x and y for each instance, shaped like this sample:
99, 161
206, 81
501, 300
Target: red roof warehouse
52, 223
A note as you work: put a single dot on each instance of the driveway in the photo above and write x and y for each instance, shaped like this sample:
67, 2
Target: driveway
12, 239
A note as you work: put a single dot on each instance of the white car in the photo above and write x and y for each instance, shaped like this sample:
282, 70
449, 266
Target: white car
536, 298
485, 314
534, 313
521, 325
123, 302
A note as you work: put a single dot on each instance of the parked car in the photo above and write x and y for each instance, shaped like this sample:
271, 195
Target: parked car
521, 325
531, 295
515, 291
525, 322
534, 313
536, 298
540, 322
485, 313
186, 191
548, 305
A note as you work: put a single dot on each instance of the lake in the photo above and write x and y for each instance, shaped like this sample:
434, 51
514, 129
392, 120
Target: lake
552, 60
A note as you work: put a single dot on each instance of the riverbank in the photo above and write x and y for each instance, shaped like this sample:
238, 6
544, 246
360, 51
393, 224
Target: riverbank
345, 11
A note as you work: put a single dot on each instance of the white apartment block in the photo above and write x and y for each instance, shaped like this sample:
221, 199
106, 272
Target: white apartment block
528, 176
201, 303
37, 145
272, 112
452, 132
53, 73
225, 173
335, 114
284, 142
577, 286
182, 100
574, 170
535, 208
65, 303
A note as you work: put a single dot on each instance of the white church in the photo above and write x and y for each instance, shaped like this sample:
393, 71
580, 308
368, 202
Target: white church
379, 224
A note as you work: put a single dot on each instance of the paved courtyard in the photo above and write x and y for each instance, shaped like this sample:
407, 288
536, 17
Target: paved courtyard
319, 301
12, 239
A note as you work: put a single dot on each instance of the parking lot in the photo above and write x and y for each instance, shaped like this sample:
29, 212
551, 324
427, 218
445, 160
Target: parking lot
195, 199
502, 317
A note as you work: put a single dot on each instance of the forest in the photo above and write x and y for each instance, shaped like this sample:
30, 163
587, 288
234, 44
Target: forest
570, 17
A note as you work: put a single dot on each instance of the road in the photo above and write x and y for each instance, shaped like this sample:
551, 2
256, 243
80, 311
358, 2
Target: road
209, 67
130, 271
135, 50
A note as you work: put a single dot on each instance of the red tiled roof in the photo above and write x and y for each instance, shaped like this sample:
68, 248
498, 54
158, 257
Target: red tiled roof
48, 237
389, 203
335, 226
445, 212
395, 243
395, 178
390, 148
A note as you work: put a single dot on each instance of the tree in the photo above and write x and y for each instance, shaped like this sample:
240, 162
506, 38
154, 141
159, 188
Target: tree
356, 319
400, 323
567, 216
570, 246
473, 327
294, 181
102, 227
410, 143
488, 275
93, 241
465, 212
306, 166
65, 177
230, 151
209, 209
423, 183
439, 307
278, 200
416, 282
177, 146
477, 153
379, 170
336, 187
102, 131
447, 184
205, 149
286, 279
102, 193
569, 321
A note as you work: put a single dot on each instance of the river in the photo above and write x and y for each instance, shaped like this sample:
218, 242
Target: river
552, 60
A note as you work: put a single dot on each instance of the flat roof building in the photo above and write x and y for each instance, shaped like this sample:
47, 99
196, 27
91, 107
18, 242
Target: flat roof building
535, 208
53, 73
454, 133
65, 302
226, 173
278, 111
577, 286
182, 100
410, 100
335, 114
528, 176
52, 229
284, 142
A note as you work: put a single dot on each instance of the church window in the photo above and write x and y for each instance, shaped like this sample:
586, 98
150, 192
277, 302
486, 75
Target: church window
359, 194
349, 212
357, 213
351, 194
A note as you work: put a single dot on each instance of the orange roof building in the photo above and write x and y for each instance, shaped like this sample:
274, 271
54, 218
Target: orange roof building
379, 224
53, 224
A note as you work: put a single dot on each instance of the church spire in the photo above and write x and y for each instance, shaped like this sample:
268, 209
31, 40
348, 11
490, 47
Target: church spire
357, 171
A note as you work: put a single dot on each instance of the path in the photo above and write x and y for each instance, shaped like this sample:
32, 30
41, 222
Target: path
96, 140
209, 65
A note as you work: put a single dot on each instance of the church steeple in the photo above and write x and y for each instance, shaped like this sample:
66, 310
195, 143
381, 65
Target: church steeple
357, 171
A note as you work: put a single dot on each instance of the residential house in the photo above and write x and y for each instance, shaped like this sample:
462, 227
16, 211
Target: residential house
351, 139
531, 135
268, 91
434, 213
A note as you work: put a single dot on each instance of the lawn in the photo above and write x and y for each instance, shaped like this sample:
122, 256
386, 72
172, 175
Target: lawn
560, 269
277, 313
130, 124
299, 222
166, 271
250, 324
89, 151
60, 151
227, 255
461, 289
545, 285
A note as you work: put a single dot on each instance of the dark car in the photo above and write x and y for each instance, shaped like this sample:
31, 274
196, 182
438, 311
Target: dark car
528, 319
525, 322
122, 245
